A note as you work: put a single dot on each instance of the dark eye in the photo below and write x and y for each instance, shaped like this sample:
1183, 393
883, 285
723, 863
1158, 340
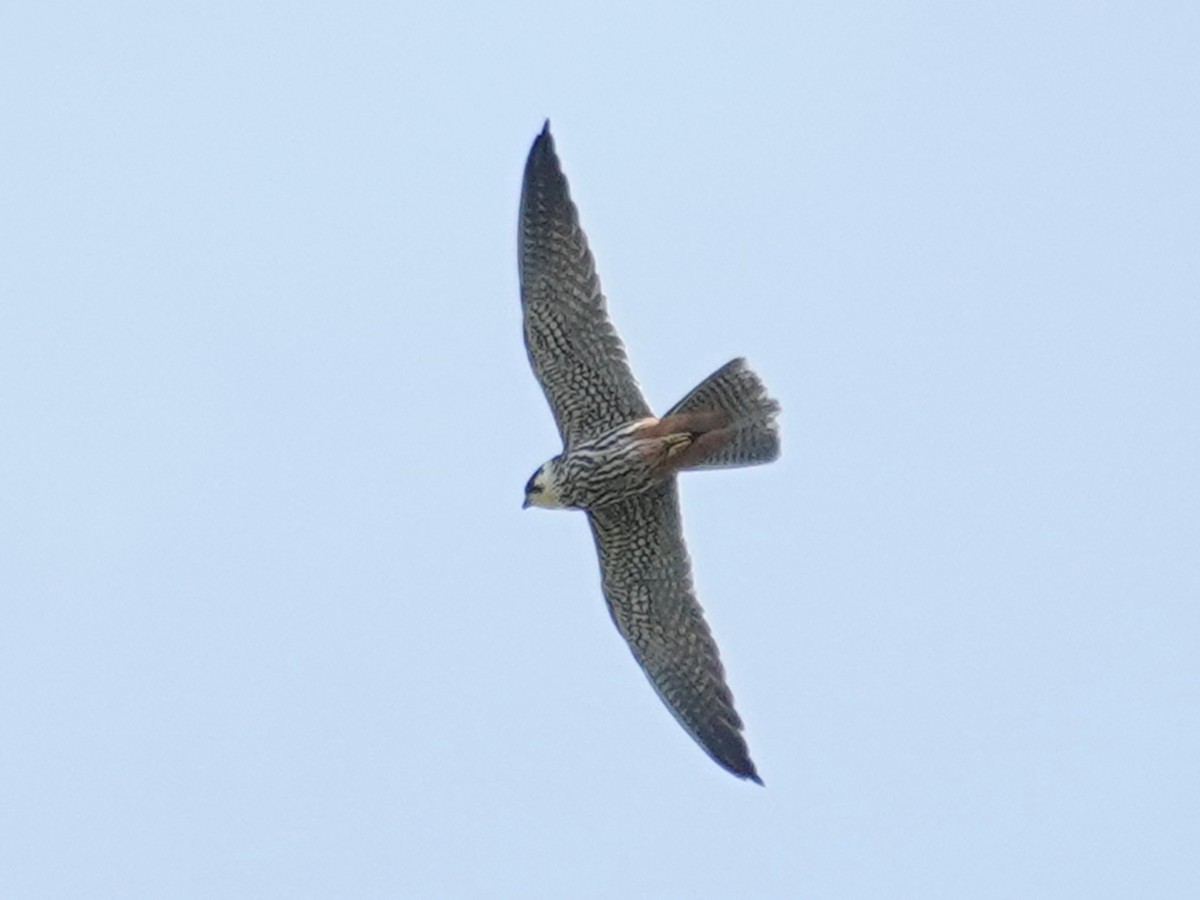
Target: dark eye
531, 487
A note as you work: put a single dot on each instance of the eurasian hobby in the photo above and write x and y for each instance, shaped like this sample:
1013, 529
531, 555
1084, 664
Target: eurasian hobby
619, 461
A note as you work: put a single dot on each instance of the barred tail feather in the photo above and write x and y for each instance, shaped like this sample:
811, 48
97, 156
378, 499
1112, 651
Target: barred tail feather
741, 418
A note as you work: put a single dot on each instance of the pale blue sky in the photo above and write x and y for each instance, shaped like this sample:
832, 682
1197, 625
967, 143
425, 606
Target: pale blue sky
272, 620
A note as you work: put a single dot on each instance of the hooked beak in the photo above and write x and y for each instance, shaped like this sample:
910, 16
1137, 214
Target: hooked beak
525, 504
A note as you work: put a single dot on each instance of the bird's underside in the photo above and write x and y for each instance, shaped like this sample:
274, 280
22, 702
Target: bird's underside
728, 420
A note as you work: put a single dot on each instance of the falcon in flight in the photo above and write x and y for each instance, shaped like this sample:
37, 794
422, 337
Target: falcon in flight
619, 460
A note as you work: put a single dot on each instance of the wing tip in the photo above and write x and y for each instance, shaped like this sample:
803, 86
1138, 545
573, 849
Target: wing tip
543, 144
743, 769
729, 751
543, 172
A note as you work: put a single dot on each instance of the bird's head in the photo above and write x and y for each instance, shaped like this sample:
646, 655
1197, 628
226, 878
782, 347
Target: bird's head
542, 487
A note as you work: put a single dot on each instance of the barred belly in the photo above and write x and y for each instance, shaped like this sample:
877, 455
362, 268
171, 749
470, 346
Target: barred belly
614, 466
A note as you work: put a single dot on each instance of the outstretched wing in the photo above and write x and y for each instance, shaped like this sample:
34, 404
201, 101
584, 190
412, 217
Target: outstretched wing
574, 350
648, 585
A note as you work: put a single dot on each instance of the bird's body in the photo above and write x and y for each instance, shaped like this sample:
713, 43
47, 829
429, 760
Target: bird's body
630, 459
619, 461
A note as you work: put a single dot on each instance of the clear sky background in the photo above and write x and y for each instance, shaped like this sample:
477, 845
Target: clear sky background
272, 620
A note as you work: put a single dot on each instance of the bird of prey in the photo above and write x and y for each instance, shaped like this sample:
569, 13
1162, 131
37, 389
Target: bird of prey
619, 461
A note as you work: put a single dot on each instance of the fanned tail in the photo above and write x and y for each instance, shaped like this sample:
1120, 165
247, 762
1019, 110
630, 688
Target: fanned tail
731, 418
